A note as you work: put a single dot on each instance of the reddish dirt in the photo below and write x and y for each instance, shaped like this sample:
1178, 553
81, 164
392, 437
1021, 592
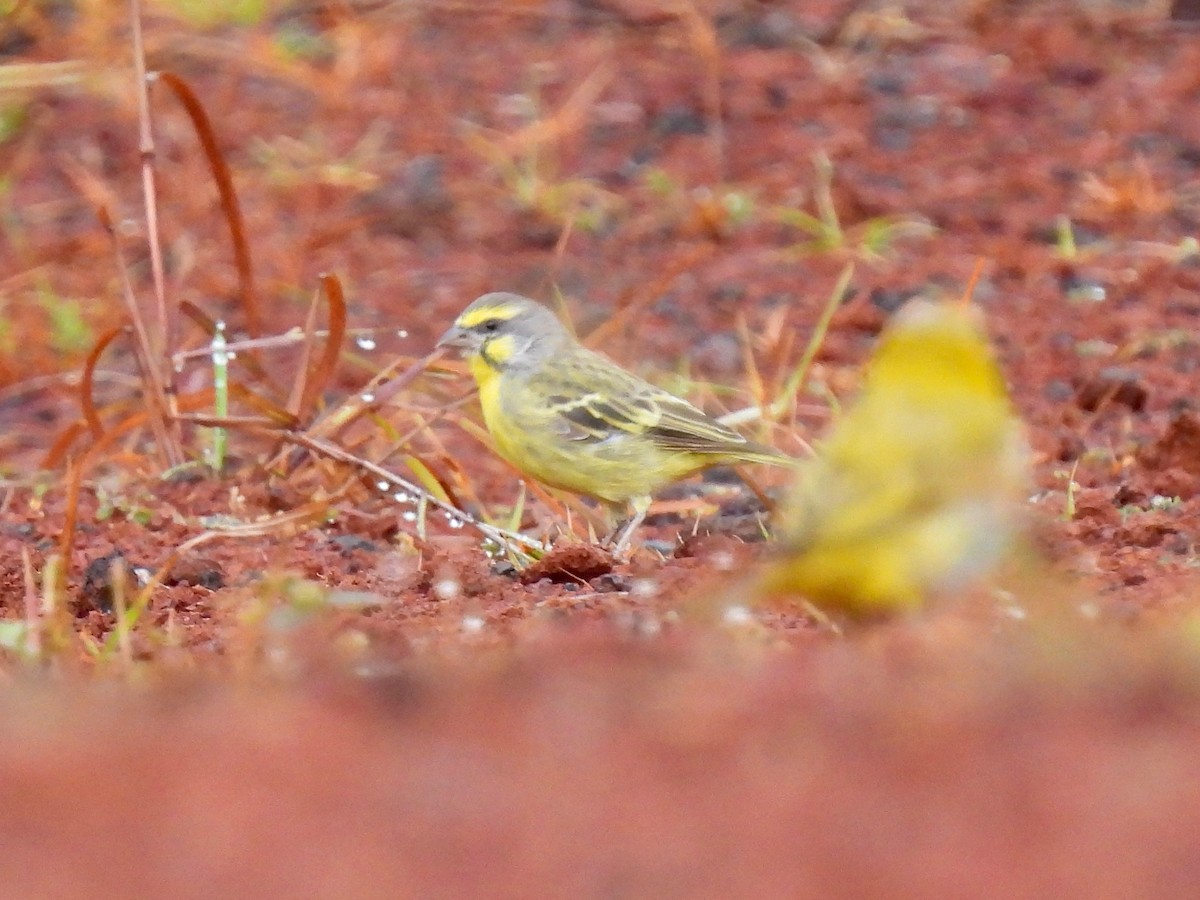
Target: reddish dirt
431, 722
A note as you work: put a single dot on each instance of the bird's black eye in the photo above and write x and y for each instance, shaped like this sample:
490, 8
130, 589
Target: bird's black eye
491, 325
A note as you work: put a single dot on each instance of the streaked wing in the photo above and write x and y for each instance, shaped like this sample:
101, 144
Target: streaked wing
593, 398
683, 427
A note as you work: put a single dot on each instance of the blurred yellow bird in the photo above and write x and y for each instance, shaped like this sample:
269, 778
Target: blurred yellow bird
574, 419
917, 489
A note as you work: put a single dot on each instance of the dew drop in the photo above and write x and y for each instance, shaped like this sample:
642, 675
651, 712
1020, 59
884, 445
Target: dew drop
723, 561
365, 343
446, 588
644, 587
1017, 613
737, 615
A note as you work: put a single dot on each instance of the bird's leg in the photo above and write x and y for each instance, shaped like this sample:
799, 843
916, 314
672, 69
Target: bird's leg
640, 507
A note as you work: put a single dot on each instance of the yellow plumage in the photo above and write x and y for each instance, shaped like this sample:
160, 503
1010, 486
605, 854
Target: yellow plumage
916, 491
573, 419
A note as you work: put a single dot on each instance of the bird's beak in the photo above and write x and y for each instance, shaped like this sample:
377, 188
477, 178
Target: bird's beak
456, 339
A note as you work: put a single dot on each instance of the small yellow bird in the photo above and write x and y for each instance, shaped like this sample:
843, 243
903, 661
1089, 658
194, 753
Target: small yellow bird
917, 490
574, 419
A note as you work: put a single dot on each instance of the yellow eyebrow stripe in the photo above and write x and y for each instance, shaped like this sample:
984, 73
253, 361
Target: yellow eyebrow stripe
473, 317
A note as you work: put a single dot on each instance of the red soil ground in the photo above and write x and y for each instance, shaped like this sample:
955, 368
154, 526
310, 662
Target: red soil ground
440, 726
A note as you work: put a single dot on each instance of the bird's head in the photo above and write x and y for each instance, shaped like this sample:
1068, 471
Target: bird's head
506, 331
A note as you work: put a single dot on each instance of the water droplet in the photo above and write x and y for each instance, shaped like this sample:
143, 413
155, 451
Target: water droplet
382, 485
401, 497
723, 561
453, 522
367, 397
401, 333
473, 624
737, 615
365, 343
446, 588
409, 516
1014, 612
649, 626
644, 587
